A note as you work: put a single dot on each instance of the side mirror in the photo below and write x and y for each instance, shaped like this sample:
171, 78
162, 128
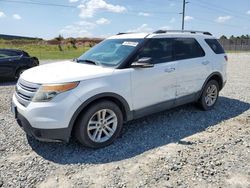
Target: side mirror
144, 62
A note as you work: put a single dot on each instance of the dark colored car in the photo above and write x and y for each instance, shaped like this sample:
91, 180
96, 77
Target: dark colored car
14, 62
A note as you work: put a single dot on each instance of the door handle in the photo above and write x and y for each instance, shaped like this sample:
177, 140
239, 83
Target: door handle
170, 69
205, 62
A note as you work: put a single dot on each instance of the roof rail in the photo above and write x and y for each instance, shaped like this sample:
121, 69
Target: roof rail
122, 33
182, 31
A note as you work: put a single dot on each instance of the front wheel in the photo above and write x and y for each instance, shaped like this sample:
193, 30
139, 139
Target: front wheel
209, 95
99, 125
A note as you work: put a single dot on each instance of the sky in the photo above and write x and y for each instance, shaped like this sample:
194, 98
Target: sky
102, 18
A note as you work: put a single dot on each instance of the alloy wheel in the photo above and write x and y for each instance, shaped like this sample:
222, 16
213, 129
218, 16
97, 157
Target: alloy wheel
102, 125
211, 95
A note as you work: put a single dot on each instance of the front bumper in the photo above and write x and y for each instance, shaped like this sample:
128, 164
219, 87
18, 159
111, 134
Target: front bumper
46, 135
48, 121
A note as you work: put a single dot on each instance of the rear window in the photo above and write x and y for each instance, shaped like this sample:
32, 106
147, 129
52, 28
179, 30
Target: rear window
25, 54
215, 46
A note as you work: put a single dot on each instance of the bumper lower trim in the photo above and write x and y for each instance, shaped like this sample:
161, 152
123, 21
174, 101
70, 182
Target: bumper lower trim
45, 135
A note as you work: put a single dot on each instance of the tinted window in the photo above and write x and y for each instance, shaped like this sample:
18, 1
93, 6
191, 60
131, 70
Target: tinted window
186, 48
2, 55
160, 50
8, 54
215, 46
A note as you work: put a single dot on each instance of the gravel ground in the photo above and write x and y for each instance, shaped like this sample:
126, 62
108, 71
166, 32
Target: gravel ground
182, 147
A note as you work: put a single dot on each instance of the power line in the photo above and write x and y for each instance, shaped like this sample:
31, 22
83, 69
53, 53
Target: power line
215, 8
211, 21
70, 6
210, 7
153, 12
223, 8
39, 3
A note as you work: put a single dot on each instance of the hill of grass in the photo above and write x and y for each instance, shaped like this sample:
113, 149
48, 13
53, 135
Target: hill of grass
42, 50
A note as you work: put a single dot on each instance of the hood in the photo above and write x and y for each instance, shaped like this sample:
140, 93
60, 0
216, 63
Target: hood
65, 71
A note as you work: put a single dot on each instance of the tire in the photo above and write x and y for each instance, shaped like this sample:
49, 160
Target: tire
209, 95
96, 134
19, 72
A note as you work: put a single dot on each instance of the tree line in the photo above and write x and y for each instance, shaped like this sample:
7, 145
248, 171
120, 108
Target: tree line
232, 37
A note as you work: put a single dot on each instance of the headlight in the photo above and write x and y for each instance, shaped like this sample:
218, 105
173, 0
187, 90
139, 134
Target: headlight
48, 91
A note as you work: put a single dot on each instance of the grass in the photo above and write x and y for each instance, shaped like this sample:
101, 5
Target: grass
45, 51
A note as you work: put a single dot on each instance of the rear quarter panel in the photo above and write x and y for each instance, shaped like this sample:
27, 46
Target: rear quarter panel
218, 62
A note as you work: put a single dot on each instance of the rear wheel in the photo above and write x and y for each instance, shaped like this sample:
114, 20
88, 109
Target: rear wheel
99, 125
209, 95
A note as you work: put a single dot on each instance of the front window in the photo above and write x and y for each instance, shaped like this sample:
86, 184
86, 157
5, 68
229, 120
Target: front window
159, 50
110, 52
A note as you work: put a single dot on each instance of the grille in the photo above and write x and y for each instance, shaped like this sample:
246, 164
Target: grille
25, 91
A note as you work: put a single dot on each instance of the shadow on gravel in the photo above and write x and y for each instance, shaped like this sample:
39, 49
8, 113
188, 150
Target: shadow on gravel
144, 134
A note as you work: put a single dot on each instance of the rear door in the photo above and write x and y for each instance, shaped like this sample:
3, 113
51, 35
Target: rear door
193, 66
157, 84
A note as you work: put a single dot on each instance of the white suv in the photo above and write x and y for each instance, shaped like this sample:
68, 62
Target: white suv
126, 76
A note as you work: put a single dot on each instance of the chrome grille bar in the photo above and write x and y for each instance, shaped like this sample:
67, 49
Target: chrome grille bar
25, 91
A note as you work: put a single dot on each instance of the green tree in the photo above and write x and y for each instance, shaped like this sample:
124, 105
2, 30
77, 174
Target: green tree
242, 37
232, 37
72, 41
60, 39
223, 37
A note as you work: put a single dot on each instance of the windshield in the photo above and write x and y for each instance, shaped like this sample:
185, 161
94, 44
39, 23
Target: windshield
110, 52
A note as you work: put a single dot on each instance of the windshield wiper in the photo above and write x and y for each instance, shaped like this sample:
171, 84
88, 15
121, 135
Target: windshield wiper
87, 61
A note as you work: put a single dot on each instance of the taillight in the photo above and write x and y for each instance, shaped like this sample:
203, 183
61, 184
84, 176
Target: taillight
226, 58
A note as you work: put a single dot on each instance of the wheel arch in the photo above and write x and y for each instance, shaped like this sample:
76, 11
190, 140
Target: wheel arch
214, 76
117, 99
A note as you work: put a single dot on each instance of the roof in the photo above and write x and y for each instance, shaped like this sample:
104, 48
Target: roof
162, 34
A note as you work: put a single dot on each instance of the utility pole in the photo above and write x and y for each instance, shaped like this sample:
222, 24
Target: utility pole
183, 14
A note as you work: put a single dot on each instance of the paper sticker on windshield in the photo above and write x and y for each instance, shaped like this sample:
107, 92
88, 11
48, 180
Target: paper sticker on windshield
129, 43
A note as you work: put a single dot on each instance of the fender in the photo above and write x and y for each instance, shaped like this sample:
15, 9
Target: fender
206, 81
126, 108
